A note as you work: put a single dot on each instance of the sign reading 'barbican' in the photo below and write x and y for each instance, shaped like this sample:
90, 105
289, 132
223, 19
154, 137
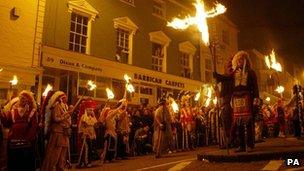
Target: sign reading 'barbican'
158, 80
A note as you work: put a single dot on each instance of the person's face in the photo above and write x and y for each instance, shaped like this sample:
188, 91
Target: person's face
146, 128
23, 101
64, 99
90, 111
240, 62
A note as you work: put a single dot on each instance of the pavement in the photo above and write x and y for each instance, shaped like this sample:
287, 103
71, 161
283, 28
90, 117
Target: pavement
271, 149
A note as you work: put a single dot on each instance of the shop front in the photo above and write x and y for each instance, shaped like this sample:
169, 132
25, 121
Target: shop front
69, 72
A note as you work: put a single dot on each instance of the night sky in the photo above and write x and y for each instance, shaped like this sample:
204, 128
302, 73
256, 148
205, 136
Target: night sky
268, 24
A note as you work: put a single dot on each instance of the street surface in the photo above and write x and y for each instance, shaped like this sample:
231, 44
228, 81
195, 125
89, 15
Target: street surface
187, 161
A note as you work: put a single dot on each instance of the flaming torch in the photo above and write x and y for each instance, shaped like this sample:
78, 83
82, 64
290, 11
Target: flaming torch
174, 106
91, 85
280, 89
197, 96
209, 95
129, 86
47, 89
110, 94
14, 81
271, 62
199, 20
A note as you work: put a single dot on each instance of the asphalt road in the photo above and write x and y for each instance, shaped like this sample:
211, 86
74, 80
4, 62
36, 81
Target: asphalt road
187, 161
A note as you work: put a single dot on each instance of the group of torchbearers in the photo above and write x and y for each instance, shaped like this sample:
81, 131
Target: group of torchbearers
174, 123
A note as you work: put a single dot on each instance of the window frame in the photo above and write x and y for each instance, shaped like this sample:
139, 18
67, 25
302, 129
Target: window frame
125, 23
188, 48
162, 8
159, 37
83, 8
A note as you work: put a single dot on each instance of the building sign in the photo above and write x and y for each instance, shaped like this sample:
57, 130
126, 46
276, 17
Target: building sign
159, 81
70, 64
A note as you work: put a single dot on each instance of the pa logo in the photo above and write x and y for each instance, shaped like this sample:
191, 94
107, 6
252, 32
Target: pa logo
292, 162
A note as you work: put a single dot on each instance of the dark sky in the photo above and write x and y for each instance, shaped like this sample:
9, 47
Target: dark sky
267, 24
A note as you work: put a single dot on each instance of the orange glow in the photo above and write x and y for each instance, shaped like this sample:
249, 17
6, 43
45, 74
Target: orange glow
199, 20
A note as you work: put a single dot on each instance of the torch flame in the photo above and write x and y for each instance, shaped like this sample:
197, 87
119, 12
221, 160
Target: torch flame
174, 106
47, 89
280, 89
91, 85
1, 69
14, 81
209, 95
197, 96
267, 99
215, 101
110, 93
127, 78
130, 88
199, 20
271, 62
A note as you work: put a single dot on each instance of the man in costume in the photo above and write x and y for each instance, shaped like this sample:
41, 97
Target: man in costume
58, 122
244, 95
225, 116
123, 131
162, 128
21, 118
187, 122
86, 128
110, 143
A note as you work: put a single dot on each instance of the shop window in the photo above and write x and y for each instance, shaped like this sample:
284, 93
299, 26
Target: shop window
118, 88
78, 33
157, 57
82, 84
144, 101
146, 91
159, 8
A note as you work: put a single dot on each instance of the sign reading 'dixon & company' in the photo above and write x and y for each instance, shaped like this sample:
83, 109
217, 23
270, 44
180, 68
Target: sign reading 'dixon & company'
70, 64
156, 80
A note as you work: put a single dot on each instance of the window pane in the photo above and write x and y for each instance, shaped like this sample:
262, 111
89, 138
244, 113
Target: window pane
85, 21
84, 41
71, 37
84, 30
79, 19
78, 28
72, 26
73, 17
82, 49
77, 47
71, 46
77, 39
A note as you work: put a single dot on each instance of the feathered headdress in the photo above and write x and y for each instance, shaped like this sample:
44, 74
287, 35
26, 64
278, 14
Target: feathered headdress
241, 54
48, 108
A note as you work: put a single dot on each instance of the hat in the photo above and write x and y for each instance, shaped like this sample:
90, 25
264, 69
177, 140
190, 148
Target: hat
240, 55
49, 104
30, 97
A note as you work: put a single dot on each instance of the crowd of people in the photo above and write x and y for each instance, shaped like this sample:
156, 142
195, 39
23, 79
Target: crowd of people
118, 131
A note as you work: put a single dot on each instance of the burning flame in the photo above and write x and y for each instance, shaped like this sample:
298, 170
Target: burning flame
215, 101
47, 89
91, 85
130, 88
197, 96
280, 89
209, 95
14, 81
271, 62
127, 78
199, 20
174, 106
110, 93
1, 69
267, 99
